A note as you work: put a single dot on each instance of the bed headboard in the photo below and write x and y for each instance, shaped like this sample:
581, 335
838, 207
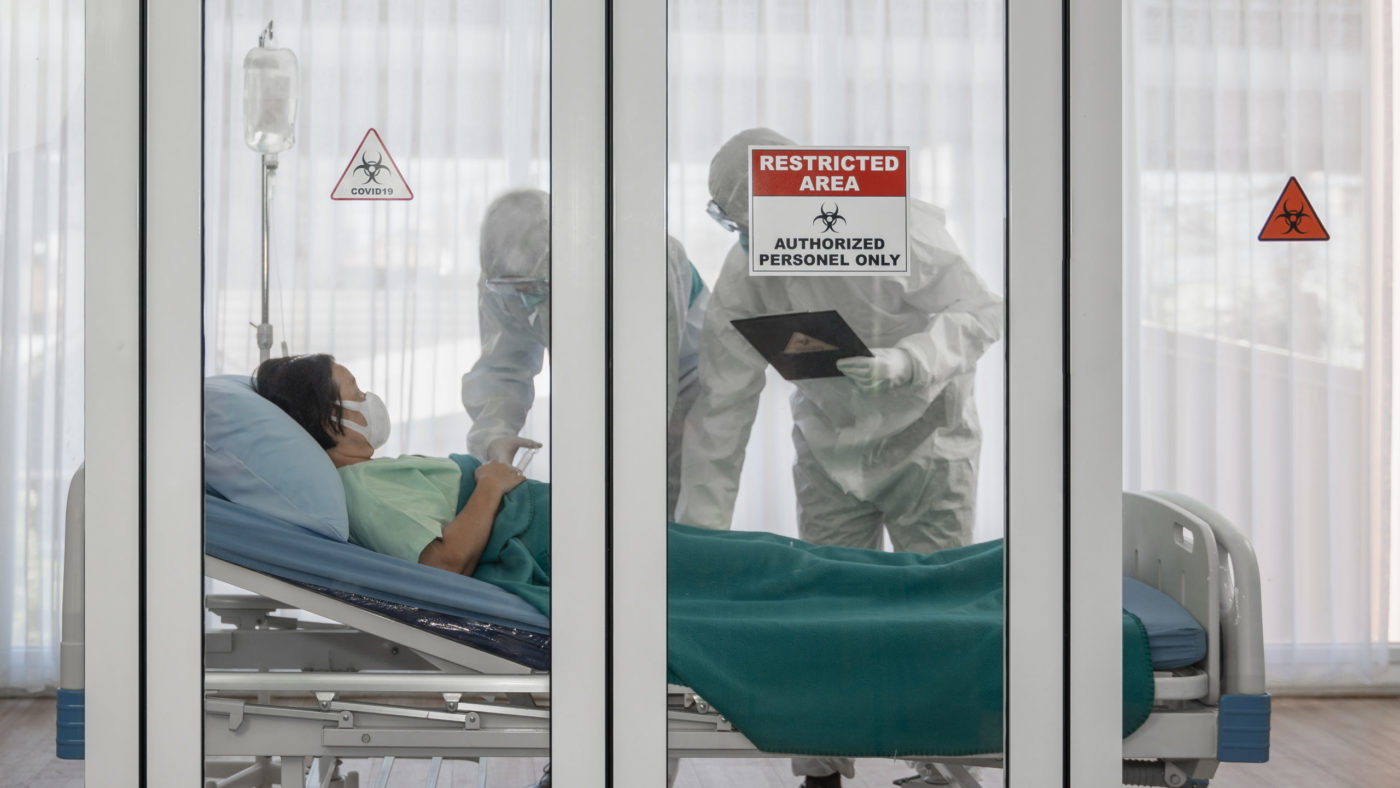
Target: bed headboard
1241, 620
1174, 551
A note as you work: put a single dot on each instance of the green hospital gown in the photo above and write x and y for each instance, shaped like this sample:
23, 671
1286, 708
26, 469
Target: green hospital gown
397, 507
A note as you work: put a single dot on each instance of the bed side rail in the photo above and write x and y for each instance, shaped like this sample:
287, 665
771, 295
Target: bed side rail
1175, 552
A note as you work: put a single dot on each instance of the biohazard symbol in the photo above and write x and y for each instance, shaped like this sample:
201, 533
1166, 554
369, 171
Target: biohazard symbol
371, 168
1293, 218
801, 343
830, 218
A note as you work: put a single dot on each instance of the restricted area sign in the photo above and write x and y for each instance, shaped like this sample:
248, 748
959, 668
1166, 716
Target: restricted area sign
371, 174
828, 211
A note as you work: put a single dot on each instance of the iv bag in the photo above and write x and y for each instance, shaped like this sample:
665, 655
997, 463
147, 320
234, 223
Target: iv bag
269, 99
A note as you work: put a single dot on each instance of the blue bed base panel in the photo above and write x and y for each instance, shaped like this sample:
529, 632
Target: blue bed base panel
1244, 729
70, 724
527, 648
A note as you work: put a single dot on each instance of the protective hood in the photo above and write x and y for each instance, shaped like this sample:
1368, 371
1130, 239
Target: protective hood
729, 172
515, 236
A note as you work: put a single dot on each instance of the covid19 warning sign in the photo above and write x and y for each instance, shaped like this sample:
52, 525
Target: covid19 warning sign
828, 211
371, 174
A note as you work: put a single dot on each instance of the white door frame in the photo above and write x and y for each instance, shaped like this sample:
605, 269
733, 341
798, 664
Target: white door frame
637, 683
173, 419
149, 361
1064, 399
112, 390
1095, 366
578, 359
1035, 604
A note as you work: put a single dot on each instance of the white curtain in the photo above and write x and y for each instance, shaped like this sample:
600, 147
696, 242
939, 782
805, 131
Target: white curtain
924, 74
41, 324
1258, 376
459, 93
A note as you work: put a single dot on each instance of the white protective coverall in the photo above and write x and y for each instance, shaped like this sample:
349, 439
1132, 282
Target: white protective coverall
499, 389
902, 460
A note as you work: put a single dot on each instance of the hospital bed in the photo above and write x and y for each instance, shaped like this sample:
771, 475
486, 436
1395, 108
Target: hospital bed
363, 677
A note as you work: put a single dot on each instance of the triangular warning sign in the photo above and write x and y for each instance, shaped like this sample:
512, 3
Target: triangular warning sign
1293, 218
371, 174
801, 343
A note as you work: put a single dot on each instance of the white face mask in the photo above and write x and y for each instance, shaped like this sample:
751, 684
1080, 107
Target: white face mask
376, 419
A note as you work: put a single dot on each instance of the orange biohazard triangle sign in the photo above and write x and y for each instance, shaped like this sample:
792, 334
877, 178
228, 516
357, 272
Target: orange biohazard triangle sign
801, 343
371, 174
1293, 218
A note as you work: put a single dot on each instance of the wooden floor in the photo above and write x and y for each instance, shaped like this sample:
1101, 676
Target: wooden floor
1338, 743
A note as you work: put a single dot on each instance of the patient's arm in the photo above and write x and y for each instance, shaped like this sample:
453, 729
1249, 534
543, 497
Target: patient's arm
464, 539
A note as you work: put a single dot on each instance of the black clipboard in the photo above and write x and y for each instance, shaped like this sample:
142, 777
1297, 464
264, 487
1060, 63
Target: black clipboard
802, 345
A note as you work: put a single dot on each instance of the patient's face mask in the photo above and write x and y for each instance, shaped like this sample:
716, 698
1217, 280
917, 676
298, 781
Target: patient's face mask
530, 292
376, 429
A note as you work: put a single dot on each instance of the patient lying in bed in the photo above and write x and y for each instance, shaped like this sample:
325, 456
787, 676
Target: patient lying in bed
908, 646
405, 507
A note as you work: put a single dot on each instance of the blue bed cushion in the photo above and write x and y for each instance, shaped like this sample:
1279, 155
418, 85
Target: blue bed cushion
1173, 636
257, 456
254, 540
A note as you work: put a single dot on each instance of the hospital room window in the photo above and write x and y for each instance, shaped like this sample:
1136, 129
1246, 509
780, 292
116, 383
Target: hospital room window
1260, 376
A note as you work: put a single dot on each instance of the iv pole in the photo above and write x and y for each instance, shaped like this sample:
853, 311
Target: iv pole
283, 140
269, 167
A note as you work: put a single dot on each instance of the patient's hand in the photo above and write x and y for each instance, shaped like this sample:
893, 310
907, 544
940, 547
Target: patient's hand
498, 478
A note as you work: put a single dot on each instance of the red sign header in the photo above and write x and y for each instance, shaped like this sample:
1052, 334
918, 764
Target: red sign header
828, 172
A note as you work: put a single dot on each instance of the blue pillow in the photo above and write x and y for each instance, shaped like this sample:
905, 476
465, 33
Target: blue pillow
258, 456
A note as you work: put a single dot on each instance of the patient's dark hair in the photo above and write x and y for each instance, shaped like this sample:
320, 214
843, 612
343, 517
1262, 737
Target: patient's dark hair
302, 386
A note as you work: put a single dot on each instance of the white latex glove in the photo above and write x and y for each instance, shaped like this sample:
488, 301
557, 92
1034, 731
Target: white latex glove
504, 449
889, 368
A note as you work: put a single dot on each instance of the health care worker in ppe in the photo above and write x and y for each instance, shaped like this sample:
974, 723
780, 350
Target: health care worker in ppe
892, 445
499, 389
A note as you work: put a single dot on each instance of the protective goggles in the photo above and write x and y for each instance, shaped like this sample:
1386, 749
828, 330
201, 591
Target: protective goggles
531, 292
523, 286
717, 213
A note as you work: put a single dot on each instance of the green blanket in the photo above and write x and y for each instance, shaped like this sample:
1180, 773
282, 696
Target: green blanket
822, 650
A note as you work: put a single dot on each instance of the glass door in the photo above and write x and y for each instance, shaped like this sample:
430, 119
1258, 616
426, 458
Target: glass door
830, 187
377, 206
838, 214
384, 215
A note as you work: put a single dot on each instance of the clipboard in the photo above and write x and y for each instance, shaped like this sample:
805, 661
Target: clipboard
802, 345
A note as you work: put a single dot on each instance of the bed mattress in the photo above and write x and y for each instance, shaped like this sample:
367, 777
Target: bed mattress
487, 617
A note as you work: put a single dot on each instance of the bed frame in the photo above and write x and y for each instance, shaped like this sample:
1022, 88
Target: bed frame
367, 686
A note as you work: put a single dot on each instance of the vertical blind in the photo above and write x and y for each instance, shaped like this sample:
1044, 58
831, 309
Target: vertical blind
41, 324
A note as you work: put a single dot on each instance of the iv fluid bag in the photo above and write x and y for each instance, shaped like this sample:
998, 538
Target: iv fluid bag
269, 99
